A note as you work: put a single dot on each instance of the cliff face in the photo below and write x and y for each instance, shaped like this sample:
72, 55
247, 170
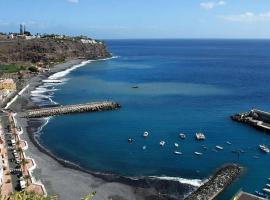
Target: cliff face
48, 50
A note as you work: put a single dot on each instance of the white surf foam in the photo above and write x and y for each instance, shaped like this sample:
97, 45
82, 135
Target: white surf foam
193, 182
67, 71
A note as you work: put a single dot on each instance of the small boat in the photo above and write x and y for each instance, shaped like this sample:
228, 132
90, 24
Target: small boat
229, 143
260, 194
200, 136
266, 190
162, 143
135, 87
178, 153
219, 147
145, 134
264, 148
182, 136
176, 145
144, 147
130, 140
268, 185
198, 153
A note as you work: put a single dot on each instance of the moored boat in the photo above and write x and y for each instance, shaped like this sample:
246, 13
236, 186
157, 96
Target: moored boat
162, 143
229, 143
200, 136
182, 136
178, 153
176, 145
144, 147
145, 134
130, 140
198, 153
219, 147
264, 148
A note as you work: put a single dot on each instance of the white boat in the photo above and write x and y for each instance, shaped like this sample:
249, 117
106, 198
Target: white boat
145, 134
198, 153
268, 185
200, 136
182, 136
266, 190
264, 148
144, 147
162, 143
229, 143
176, 145
52, 81
177, 152
219, 147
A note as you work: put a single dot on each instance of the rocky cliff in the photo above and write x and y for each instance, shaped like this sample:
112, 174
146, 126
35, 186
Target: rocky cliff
47, 50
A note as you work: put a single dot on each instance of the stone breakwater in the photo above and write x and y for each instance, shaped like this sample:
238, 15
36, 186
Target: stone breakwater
217, 183
78, 108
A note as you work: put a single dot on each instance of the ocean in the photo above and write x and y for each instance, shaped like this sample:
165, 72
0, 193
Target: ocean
184, 86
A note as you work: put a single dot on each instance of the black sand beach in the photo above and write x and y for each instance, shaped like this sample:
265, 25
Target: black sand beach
69, 181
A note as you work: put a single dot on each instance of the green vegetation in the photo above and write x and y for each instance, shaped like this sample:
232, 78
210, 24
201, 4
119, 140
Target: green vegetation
33, 69
32, 196
27, 196
12, 68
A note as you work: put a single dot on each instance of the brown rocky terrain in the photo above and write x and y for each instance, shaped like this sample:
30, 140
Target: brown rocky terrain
48, 50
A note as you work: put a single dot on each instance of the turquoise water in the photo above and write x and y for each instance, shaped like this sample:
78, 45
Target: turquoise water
184, 86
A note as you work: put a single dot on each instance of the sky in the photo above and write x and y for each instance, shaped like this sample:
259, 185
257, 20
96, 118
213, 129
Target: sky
128, 19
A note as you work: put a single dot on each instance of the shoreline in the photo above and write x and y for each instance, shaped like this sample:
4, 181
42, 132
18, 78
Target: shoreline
137, 188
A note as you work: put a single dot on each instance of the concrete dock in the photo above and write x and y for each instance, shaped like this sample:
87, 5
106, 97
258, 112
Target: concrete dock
255, 117
78, 108
217, 183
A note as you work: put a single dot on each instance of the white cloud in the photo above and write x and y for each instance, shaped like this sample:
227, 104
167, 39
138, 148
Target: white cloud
73, 1
211, 4
248, 17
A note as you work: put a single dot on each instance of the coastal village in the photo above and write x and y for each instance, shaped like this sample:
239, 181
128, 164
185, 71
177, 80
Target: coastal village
16, 168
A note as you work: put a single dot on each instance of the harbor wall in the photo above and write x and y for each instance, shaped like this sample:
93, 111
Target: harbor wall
217, 183
78, 108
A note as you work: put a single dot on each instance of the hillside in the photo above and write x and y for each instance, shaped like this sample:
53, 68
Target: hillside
48, 50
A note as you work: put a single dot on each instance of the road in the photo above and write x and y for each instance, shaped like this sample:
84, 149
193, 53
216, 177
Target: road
11, 158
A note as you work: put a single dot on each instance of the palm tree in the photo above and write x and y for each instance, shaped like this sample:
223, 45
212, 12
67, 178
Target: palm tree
20, 150
27, 178
23, 163
89, 196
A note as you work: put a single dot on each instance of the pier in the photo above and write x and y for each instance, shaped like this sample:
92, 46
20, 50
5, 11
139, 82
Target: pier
217, 183
255, 117
78, 108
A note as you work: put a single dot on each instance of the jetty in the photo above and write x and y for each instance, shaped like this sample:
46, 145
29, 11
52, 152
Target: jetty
67, 109
217, 183
255, 117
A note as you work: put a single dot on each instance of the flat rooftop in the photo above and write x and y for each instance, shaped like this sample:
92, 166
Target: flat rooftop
247, 196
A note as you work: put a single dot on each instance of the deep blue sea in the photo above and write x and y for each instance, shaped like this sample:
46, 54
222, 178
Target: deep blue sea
184, 86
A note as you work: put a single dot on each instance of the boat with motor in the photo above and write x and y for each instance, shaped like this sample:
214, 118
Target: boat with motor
176, 145
198, 153
145, 134
219, 147
266, 190
182, 136
130, 140
162, 143
264, 148
200, 136
260, 194
178, 153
